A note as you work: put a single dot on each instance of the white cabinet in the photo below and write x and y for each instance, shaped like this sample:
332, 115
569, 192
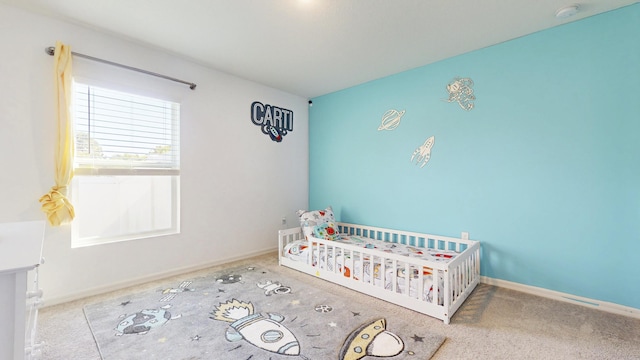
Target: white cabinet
20, 252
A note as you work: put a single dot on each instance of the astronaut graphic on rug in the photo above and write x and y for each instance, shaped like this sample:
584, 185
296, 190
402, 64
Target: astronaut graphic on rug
262, 330
141, 322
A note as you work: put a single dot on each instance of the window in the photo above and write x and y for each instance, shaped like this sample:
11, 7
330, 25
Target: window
127, 166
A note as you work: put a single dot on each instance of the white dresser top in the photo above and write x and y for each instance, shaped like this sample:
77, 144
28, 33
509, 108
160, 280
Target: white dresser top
20, 245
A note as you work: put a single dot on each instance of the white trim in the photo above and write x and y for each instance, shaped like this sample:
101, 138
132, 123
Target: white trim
144, 279
106, 171
564, 297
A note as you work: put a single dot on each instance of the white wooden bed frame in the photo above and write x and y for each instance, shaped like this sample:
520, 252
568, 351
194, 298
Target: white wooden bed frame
460, 275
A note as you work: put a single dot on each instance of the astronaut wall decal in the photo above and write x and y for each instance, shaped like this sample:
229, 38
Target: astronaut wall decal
461, 91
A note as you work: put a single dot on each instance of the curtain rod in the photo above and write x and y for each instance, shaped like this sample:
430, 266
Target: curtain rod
51, 51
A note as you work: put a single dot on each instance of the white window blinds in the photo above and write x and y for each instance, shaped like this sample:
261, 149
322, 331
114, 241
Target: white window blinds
124, 134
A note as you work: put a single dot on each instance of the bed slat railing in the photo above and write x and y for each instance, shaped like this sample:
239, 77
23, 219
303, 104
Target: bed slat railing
455, 281
441, 242
452, 281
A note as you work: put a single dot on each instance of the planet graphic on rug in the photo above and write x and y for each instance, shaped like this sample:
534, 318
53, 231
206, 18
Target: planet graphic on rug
371, 339
141, 322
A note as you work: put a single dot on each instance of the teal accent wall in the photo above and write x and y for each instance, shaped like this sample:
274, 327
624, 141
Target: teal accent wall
544, 171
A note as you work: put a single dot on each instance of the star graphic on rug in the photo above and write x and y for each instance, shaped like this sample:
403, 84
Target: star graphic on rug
196, 338
332, 324
162, 340
125, 303
355, 313
295, 302
417, 338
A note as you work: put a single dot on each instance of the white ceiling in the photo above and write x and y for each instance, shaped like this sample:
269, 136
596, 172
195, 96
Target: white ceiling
314, 47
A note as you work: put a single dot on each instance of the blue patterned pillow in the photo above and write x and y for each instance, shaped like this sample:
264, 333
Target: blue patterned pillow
328, 231
311, 219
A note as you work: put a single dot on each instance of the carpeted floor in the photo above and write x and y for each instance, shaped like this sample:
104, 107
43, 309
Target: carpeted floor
494, 323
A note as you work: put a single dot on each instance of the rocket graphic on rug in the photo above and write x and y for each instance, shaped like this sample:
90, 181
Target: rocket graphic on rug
262, 330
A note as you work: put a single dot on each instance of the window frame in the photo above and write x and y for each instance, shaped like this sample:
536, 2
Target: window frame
85, 169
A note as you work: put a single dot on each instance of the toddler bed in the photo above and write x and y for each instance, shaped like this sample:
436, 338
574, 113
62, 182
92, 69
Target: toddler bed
427, 273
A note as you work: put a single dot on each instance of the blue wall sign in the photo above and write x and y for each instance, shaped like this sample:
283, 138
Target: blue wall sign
274, 121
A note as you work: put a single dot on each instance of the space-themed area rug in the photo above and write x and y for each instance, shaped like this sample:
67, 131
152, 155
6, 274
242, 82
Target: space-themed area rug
251, 313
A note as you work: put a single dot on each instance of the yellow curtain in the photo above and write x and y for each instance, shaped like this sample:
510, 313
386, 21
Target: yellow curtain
55, 203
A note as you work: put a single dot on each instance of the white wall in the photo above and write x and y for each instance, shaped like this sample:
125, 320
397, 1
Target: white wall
236, 184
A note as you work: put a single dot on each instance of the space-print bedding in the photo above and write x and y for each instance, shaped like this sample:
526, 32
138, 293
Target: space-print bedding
362, 265
402, 267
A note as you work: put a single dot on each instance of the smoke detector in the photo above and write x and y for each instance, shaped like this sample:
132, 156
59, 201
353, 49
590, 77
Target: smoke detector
567, 11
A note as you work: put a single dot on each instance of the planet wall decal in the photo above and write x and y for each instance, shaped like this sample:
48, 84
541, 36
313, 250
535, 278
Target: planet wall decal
391, 119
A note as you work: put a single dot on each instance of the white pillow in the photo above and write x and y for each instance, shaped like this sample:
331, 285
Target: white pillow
318, 219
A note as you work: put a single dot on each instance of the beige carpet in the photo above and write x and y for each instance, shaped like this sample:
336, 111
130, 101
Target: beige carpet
494, 323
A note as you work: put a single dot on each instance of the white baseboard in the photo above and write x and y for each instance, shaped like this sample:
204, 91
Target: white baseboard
144, 279
556, 295
533, 290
